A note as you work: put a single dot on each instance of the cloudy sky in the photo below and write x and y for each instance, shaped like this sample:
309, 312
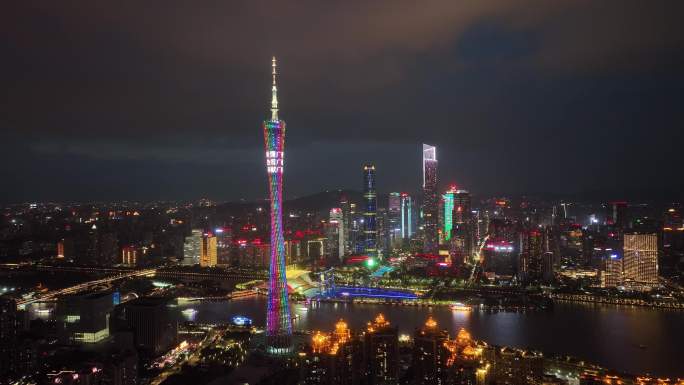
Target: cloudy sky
145, 100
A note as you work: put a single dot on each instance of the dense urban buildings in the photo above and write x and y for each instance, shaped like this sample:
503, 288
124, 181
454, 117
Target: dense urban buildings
139, 244
8, 337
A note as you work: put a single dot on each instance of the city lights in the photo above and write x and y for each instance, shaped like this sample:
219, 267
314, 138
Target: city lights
141, 242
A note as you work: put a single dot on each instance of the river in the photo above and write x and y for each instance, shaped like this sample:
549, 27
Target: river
630, 339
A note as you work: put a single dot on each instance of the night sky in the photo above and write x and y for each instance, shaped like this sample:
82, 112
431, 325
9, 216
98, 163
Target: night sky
164, 100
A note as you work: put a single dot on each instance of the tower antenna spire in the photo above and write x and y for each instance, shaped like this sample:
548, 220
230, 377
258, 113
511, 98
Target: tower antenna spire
274, 92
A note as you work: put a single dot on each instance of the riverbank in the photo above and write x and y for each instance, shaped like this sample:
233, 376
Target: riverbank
626, 339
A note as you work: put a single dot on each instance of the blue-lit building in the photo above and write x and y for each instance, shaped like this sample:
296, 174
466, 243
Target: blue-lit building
407, 217
370, 211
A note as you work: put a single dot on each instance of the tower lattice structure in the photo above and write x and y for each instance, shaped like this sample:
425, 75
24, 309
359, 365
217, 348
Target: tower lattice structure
278, 320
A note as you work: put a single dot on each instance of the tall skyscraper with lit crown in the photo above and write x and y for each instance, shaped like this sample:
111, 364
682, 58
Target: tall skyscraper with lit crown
278, 321
370, 211
430, 199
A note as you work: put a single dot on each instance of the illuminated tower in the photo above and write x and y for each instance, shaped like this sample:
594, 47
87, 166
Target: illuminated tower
370, 211
278, 321
430, 202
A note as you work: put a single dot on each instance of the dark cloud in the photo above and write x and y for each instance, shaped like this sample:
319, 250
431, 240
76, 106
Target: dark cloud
518, 96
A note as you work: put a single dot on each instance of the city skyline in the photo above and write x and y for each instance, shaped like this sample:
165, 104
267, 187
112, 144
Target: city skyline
506, 169
523, 102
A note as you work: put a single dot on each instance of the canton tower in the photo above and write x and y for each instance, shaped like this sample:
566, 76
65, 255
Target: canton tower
278, 321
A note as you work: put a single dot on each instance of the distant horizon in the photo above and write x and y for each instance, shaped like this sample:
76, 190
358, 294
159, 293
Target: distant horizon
596, 196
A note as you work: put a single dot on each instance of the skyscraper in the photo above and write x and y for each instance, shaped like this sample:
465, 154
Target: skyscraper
430, 200
393, 220
640, 261
224, 240
209, 251
448, 215
278, 321
462, 207
531, 255
370, 211
462, 234
345, 205
191, 248
335, 234
615, 215
408, 217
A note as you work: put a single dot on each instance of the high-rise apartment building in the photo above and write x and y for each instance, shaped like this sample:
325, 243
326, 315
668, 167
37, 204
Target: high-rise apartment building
430, 354
380, 352
430, 199
336, 358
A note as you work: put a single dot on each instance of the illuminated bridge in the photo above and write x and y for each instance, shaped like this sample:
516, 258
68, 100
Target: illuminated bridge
86, 285
118, 273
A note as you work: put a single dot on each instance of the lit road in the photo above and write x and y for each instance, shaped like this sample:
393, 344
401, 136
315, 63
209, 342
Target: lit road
192, 359
479, 259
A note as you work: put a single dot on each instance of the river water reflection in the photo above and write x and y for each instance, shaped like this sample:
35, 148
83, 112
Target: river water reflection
630, 339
